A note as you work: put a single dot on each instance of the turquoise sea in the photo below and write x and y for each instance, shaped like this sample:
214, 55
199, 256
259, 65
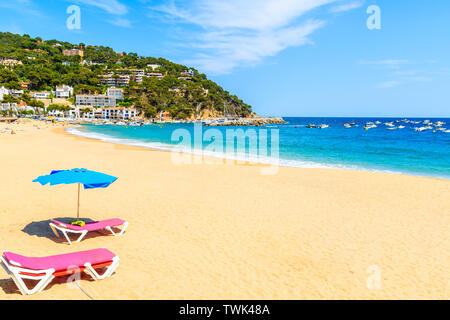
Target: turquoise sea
403, 150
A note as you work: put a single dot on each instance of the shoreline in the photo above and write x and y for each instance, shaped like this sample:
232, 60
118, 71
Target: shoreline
255, 162
63, 131
226, 231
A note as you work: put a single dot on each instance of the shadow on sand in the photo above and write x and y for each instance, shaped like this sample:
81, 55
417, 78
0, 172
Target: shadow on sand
9, 287
42, 229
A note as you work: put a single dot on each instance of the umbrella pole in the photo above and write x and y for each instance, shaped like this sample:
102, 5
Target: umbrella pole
78, 207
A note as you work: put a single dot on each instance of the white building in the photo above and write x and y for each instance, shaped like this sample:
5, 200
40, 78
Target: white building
114, 80
16, 93
187, 73
8, 107
119, 113
129, 114
115, 92
138, 75
40, 95
63, 91
74, 113
3, 92
86, 114
94, 100
154, 66
155, 74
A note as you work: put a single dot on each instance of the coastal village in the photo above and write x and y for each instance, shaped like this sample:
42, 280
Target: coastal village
99, 85
82, 107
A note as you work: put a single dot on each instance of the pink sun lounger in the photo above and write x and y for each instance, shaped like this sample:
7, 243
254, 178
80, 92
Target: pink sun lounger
45, 269
66, 228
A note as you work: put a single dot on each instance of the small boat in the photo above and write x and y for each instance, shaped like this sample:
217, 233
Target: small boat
392, 128
311, 126
401, 127
323, 126
420, 129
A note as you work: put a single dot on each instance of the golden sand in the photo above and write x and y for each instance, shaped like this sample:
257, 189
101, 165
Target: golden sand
226, 231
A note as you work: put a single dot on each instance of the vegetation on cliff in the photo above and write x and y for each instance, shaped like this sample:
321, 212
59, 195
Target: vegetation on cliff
44, 66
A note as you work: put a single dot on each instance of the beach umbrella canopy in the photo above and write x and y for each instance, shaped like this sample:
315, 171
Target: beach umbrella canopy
89, 179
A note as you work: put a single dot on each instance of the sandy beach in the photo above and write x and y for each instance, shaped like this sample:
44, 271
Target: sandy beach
219, 231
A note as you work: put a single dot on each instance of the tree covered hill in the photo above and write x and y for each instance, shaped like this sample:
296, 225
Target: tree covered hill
44, 66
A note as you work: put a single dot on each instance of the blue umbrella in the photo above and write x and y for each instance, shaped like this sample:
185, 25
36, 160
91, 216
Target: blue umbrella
89, 179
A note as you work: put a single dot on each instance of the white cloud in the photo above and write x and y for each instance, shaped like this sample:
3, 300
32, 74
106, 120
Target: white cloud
346, 6
226, 50
389, 84
418, 79
227, 34
406, 73
110, 6
249, 14
402, 81
21, 6
389, 63
120, 22
396, 72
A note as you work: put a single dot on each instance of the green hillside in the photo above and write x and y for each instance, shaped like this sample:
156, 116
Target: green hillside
44, 66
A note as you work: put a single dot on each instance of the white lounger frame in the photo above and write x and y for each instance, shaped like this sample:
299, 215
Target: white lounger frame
14, 272
82, 233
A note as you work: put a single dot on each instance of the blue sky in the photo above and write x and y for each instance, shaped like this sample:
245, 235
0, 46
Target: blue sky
284, 57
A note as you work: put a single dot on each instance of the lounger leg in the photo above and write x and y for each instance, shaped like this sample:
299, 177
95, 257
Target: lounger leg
82, 236
66, 232
16, 281
109, 271
125, 225
13, 277
67, 237
44, 281
42, 284
39, 286
54, 230
79, 238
